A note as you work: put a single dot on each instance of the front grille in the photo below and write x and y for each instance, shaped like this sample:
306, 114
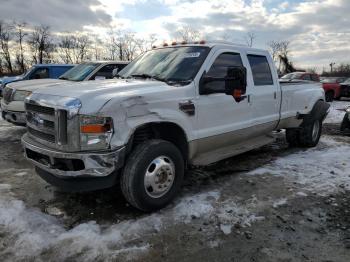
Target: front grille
7, 95
47, 123
44, 136
40, 109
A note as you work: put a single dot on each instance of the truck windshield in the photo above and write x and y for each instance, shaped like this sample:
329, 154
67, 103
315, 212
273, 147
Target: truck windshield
171, 65
79, 72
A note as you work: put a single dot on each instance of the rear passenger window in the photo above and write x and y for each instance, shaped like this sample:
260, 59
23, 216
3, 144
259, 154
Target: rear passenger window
261, 70
219, 69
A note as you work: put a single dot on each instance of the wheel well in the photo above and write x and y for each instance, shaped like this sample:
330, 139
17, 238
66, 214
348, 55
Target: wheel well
165, 130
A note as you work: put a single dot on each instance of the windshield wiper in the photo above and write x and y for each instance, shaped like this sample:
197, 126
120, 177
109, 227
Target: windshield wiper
147, 76
63, 78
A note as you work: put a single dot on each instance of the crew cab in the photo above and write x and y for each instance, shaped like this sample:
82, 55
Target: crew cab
173, 106
38, 71
332, 87
12, 104
301, 76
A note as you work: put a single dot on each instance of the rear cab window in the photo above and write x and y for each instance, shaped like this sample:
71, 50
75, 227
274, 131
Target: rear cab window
40, 73
261, 70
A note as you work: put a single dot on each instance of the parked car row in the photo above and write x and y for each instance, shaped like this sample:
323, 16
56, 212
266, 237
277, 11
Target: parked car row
14, 93
334, 87
174, 106
39, 71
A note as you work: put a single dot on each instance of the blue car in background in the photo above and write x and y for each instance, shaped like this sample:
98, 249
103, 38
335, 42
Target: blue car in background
39, 71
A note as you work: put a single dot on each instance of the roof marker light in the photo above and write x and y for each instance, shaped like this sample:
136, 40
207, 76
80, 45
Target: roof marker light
165, 44
202, 42
173, 43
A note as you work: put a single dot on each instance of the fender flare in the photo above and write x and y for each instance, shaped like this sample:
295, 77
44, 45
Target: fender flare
319, 111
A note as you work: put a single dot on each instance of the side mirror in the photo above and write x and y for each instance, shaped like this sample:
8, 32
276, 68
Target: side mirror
236, 81
115, 72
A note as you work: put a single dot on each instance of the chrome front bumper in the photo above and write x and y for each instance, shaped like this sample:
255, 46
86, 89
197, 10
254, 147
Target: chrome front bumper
72, 165
14, 117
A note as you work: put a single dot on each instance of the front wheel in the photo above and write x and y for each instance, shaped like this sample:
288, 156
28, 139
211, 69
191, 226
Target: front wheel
152, 175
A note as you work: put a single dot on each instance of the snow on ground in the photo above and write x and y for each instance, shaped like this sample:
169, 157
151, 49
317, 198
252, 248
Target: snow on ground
336, 112
10, 132
322, 170
34, 232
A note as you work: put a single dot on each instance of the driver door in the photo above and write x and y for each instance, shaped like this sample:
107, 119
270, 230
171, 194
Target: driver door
221, 121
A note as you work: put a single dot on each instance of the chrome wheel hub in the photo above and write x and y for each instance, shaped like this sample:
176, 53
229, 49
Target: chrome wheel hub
159, 177
315, 130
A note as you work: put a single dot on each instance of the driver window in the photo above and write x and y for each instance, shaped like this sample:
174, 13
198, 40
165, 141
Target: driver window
40, 73
219, 69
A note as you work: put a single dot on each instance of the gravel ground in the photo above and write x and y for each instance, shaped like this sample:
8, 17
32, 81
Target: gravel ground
272, 204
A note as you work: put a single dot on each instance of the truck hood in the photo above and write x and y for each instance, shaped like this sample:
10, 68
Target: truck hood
35, 84
9, 79
93, 95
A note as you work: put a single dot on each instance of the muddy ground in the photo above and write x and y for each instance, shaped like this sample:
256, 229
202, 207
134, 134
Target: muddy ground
272, 204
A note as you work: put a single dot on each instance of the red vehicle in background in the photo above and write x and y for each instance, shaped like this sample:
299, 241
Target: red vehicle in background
332, 87
301, 76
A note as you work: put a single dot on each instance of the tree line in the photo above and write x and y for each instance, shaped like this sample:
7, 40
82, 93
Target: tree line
22, 45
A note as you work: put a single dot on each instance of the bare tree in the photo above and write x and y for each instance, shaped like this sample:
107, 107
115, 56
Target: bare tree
65, 48
82, 43
188, 34
286, 66
96, 44
250, 38
41, 44
20, 34
5, 38
274, 48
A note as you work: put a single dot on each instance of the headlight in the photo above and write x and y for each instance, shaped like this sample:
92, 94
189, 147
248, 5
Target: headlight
95, 132
348, 110
20, 95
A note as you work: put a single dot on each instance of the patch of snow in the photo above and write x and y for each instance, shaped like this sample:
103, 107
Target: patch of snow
321, 170
336, 113
301, 194
226, 229
5, 187
279, 202
20, 174
199, 205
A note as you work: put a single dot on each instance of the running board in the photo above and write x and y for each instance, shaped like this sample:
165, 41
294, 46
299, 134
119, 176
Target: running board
233, 150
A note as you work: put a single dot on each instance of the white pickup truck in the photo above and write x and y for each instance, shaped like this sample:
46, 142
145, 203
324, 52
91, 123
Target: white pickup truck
12, 104
179, 105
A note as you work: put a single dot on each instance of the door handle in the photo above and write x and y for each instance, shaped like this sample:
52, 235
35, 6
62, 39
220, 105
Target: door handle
275, 95
246, 96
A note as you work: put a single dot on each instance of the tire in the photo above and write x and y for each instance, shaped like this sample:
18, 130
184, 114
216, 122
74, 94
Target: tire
163, 162
345, 124
310, 133
329, 96
292, 136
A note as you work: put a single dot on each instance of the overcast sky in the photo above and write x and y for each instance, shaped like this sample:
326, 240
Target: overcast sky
318, 30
